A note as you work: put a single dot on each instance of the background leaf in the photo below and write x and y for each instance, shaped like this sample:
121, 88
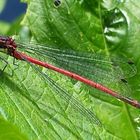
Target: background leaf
110, 26
2, 5
8, 131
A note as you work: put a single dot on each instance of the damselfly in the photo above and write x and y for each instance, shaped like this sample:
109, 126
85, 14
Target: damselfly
92, 69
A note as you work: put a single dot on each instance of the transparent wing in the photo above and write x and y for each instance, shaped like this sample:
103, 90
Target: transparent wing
106, 70
68, 98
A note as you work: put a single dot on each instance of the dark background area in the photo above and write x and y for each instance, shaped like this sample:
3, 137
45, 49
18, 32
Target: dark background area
12, 10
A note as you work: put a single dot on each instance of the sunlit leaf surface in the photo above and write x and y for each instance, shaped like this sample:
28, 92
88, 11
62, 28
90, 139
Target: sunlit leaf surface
27, 101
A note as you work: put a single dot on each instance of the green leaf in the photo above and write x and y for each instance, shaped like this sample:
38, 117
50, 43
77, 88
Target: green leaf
5, 27
111, 27
2, 5
8, 131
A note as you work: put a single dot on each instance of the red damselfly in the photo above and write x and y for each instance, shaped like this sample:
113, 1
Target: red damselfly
81, 67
